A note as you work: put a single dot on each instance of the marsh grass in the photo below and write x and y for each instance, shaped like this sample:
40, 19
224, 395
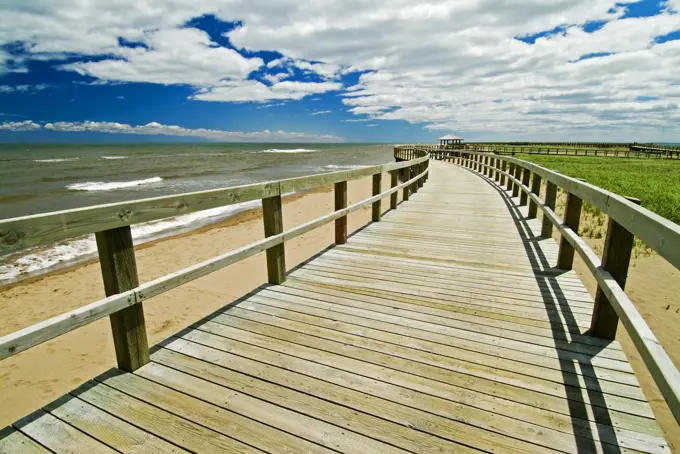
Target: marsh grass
656, 182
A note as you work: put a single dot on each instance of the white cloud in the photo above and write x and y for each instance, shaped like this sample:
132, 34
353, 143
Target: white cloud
254, 91
27, 125
175, 56
155, 128
371, 125
321, 112
449, 64
22, 88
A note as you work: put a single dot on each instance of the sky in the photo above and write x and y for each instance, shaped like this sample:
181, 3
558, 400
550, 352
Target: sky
349, 71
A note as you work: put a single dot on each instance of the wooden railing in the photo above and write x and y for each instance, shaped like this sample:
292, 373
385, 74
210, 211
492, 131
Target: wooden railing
111, 225
566, 150
626, 220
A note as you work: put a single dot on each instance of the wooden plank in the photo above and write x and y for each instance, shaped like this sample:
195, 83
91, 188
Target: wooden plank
107, 428
272, 217
58, 436
234, 425
182, 432
119, 271
340, 203
375, 208
12, 441
572, 218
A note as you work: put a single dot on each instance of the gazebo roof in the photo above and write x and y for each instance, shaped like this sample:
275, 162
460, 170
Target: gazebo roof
450, 137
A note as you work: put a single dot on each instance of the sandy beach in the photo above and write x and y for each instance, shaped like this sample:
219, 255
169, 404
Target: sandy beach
38, 376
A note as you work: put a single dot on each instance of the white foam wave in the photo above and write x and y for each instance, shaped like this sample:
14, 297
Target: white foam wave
56, 160
343, 167
114, 157
291, 150
111, 185
40, 260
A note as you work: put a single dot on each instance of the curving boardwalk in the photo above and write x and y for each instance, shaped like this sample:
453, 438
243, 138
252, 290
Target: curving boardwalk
442, 328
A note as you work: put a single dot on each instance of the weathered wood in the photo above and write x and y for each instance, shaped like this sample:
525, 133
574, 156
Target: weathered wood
503, 168
550, 199
340, 203
119, 271
572, 217
511, 171
272, 217
618, 247
394, 182
407, 189
535, 189
13, 441
525, 181
375, 209
414, 185
515, 186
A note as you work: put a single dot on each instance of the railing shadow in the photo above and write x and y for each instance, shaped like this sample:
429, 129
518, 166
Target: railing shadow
578, 408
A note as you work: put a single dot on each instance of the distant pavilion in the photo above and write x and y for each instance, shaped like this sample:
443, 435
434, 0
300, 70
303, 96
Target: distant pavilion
450, 140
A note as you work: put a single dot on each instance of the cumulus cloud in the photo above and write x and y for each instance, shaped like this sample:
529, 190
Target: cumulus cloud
447, 64
27, 125
155, 128
254, 91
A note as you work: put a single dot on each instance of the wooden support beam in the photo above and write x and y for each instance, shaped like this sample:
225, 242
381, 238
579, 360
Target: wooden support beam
572, 217
272, 214
340, 203
414, 185
377, 183
407, 189
497, 174
503, 167
535, 189
525, 181
394, 182
511, 171
550, 199
618, 246
119, 271
515, 186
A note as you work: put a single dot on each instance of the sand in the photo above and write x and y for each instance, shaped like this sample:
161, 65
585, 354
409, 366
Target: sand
38, 376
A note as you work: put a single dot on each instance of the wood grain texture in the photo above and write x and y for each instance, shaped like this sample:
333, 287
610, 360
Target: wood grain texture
377, 189
272, 217
340, 203
572, 217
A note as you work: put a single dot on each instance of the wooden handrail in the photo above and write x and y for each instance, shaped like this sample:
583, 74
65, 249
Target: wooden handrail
36, 334
659, 233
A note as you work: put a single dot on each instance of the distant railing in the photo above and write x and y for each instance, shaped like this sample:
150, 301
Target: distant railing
623, 151
626, 220
111, 225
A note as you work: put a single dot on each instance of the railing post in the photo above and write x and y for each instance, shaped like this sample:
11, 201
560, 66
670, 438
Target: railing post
487, 162
407, 188
523, 197
272, 214
572, 217
535, 189
511, 171
503, 166
515, 185
497, 175
340, 203
421, 169
550, 198
119, 271
377, 183
414, 172
394, 176
618, 247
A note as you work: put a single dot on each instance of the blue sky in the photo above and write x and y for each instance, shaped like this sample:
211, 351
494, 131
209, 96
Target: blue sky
358, 71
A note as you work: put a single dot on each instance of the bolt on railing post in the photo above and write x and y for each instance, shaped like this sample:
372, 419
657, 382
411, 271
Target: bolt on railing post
550, 199
572, 217
377, 183
272, 215
523, 197
119, 271
535, 189
618, 246
394, 182
340, 203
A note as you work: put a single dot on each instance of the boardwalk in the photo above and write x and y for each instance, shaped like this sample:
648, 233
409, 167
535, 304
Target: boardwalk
442, 328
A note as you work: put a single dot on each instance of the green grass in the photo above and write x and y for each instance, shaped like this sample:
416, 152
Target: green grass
656, 182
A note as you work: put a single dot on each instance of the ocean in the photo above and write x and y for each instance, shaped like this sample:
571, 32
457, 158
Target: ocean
39, 178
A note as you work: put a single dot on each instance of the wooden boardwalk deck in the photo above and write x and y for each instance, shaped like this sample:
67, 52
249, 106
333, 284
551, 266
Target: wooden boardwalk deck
442, 328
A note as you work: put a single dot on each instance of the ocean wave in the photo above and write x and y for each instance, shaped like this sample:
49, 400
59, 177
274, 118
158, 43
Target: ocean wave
343, 167
56, 160
291, 150
40, 260
111, 185
114, 157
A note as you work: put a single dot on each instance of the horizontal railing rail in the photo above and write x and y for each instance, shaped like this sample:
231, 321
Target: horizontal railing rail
116, 251
626, 220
